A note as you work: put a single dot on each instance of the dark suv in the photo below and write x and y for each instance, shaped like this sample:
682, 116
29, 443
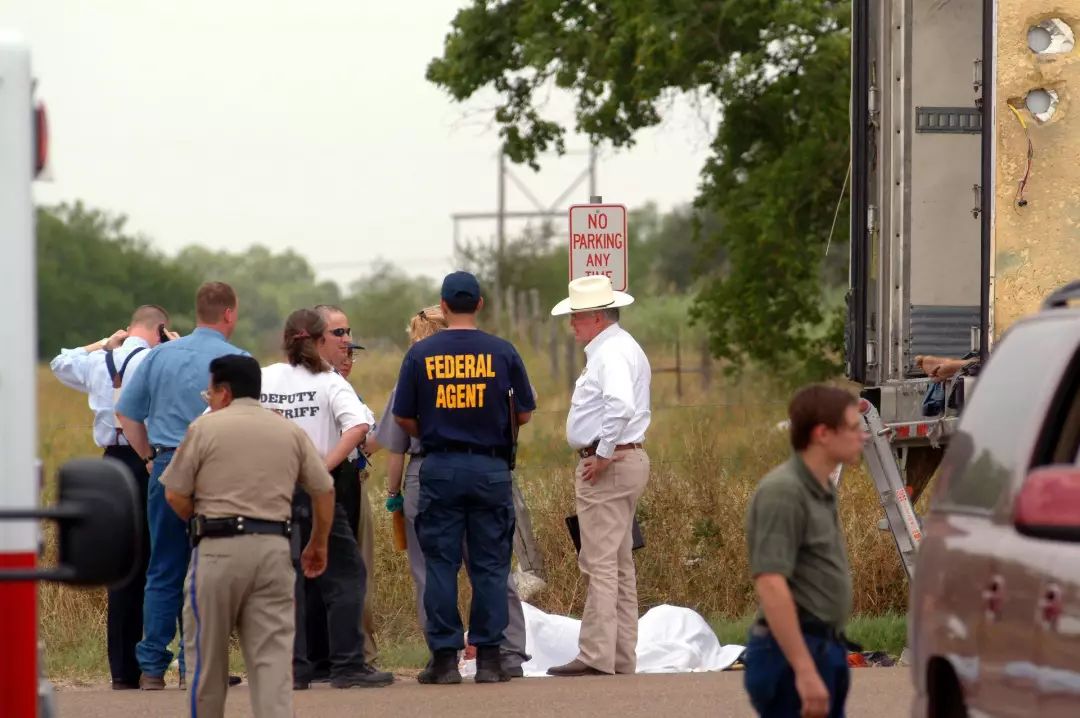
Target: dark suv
994, 621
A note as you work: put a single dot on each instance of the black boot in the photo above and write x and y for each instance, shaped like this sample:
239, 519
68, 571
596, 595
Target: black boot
489, 665
441, 669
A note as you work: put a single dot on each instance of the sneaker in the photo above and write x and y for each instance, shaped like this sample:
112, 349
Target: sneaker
365, 677
442, 669
151, 683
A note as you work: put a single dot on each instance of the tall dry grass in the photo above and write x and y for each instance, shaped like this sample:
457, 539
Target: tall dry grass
707, 456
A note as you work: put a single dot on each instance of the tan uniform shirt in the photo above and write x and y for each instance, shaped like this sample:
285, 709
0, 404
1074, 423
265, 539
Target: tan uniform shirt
245, 460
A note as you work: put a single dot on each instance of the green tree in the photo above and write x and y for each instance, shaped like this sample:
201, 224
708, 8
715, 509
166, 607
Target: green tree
91, 274
380, 304
779, 70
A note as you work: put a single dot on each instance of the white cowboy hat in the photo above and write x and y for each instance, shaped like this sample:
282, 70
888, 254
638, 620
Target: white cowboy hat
588, 294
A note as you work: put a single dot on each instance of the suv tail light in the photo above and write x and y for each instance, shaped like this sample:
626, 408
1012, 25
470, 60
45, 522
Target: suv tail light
1049, 504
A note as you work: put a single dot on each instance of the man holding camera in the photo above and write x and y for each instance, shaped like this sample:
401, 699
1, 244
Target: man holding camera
155, 408
234, 476
98, 370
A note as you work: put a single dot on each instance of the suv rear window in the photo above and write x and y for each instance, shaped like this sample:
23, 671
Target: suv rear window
1004, 416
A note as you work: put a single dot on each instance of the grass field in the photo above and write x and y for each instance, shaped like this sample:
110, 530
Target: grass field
707, 456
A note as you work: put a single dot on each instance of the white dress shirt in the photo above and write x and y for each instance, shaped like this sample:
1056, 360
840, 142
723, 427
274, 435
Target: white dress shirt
88, 373
610, 404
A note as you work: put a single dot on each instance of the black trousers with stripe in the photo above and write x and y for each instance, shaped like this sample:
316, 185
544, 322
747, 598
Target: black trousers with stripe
125, 617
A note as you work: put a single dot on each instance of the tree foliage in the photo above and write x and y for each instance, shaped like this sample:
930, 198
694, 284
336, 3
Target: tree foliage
91, 274
778, 69
269, 287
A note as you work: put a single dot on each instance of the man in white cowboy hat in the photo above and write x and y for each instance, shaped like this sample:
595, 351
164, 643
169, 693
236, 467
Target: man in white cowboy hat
609, 413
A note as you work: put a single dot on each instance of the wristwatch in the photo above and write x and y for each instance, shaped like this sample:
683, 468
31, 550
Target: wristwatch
151, 457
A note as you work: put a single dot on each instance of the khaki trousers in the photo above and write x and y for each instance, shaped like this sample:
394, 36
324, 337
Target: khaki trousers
605, 509
246, 583
365, 540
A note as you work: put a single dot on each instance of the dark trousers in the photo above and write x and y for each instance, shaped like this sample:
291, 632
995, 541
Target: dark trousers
770, 680
465, 498
124, 624
347, 494
342, 588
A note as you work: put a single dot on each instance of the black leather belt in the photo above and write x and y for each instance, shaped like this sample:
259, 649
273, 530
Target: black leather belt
498, 452
201, 527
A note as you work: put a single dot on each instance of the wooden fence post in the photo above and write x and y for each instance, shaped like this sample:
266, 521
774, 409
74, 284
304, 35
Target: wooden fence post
706, 366
534, 318
511, 312
678, 370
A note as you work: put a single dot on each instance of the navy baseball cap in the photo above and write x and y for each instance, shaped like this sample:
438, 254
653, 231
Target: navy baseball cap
460, 288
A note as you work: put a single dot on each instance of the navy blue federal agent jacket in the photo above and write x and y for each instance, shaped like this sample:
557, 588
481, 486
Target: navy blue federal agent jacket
456, 383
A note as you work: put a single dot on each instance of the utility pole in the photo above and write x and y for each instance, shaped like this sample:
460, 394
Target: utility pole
541, 211
500, 235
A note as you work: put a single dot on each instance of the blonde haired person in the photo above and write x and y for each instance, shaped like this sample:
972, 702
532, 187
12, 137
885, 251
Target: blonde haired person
389, 435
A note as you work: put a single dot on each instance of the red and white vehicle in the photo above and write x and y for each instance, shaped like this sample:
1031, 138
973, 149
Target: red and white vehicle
97, 508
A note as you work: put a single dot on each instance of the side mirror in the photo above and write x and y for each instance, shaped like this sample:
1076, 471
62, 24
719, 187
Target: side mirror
1049, 504
101, 538
100, 516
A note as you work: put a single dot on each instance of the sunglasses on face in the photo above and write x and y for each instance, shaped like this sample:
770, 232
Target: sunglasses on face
341, 332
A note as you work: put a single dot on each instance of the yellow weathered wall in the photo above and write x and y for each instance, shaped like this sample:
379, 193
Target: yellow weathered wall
1036, 248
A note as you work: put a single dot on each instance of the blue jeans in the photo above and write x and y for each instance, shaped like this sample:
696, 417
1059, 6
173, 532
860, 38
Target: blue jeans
465, 497
770, 680
163, 599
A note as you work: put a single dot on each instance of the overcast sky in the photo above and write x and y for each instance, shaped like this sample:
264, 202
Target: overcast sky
304, 125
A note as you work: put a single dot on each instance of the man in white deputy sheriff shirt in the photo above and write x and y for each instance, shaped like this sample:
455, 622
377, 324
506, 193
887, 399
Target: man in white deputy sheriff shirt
609, 414
305, 390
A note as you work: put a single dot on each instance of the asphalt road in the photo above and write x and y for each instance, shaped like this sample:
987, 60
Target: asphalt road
877, 692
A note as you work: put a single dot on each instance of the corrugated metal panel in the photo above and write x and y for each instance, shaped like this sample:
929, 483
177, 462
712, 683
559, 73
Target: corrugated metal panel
944, 331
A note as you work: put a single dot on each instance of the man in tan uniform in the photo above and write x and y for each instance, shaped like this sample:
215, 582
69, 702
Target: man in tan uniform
234, 475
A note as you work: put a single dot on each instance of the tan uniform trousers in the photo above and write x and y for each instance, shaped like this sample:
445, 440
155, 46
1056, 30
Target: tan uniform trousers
365, 540
246, 583
605, 509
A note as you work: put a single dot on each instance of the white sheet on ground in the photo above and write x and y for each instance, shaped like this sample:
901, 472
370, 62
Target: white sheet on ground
670, 640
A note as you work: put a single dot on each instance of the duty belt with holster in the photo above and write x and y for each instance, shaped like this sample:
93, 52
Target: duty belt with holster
200, 527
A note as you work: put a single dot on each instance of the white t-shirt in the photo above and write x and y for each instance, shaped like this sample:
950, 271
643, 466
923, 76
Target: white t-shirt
324, 405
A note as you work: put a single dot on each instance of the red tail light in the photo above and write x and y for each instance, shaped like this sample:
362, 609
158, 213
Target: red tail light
41, 139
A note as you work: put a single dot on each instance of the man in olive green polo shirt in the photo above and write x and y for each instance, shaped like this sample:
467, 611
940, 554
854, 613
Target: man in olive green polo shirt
796, 661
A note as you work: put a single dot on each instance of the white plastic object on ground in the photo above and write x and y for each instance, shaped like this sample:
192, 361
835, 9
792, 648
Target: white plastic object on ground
671, 639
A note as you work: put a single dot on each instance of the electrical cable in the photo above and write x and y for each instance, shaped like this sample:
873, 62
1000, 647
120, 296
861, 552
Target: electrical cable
1020, 200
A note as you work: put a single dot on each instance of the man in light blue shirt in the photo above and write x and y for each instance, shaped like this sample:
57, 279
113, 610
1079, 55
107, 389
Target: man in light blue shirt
154, 410
98, 370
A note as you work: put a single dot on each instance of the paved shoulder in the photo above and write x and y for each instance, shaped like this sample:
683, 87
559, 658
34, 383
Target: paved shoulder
880, 692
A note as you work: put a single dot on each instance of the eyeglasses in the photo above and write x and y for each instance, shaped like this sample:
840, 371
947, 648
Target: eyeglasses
205, 394
342, 332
